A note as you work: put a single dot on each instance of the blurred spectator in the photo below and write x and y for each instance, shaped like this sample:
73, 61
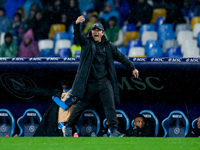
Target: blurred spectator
64, 20
11, 6
174, 15
29, 47
99, 5
142, 128
9, 48
122, 6
91, 21
40, 26
5, 21
33, 9
47, 14
56, 14
159, 4
140, 13
114, 33
197, 8
84, 5
18, 28
28, 4
2, 2
195, 132
72, 11
109, 11
21, 10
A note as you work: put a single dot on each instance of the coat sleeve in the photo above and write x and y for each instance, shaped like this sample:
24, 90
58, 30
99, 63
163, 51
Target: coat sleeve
79, 35
118, 56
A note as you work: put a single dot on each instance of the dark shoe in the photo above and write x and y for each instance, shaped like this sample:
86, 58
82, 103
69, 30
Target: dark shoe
67, 131
71, 99
116, 133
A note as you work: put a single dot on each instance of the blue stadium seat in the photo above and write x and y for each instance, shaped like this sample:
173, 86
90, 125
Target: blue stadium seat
123, 119
7, 123
159, 21
153, 48
149, 115
164, 28
175, 125
133, 43
166, 36
194, 123
46, 48
198, 39
29, 122
155, 52
147, 27
88, 124
173, 52
64, 52
61, 36
123, 50
128, 28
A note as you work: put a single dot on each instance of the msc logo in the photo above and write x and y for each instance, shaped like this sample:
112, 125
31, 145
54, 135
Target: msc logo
16, 83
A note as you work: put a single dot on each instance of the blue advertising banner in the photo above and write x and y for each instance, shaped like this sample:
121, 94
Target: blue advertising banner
164, 85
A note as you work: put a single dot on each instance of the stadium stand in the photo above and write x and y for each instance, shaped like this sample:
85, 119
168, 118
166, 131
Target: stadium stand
180, 27
62, 48
158, 12
136, 52
146, 27
46, 48
173, 52
148, 35
7, 123
55, 28
29, 122
183, 36
169, 44
196, 30
195, 20
130, 36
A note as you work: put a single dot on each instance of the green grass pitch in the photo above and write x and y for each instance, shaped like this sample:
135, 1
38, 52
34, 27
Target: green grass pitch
99, 143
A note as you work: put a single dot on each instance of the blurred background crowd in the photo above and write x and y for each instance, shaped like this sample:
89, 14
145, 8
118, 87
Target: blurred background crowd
28, 26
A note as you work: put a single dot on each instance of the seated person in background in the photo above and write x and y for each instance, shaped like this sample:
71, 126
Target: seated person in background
55, 117
114, 33
195, 132
29, 47
91, 20
140, 13
9, 48
142, 128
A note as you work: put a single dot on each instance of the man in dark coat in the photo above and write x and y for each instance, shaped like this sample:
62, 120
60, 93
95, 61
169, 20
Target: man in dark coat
96, 76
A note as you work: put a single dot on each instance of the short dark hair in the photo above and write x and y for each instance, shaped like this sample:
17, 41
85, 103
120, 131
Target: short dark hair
8, 34
3, 9
139, 116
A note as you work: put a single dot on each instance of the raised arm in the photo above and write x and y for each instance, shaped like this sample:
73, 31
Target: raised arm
78, 34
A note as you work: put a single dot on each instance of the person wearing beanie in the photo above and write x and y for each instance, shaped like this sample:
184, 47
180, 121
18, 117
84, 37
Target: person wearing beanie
9, 48
29, 47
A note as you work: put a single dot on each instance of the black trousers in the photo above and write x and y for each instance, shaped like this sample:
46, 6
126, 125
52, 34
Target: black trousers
104, 91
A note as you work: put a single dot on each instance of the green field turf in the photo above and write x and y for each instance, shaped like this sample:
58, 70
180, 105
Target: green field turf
101, 143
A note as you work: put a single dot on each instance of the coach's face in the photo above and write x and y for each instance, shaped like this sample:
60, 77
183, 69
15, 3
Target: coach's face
97, 34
